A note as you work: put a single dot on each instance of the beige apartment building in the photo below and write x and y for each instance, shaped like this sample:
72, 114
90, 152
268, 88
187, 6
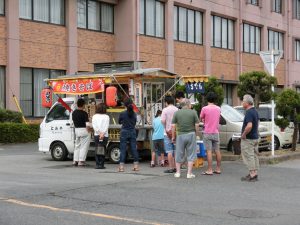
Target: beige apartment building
46, 38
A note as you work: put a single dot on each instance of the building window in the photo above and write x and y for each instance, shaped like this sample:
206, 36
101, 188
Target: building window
31, 84
2, 87
253, 2
297, 50
49, 11
188, 25
251, 38
152, 18
275, 40
222, 32
228, 90
94, 15
277, 6
1, 7
296, 7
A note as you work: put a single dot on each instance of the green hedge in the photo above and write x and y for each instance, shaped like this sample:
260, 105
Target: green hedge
10, 116
18, 132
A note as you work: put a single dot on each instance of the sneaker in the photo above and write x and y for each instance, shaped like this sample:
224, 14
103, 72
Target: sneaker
176, 175
190, 176
170, 171
249, 178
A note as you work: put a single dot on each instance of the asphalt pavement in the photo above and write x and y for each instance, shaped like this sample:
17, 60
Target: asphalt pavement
35, 190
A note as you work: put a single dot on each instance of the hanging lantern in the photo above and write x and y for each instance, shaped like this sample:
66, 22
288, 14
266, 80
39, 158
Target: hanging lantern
111, 96
46, 97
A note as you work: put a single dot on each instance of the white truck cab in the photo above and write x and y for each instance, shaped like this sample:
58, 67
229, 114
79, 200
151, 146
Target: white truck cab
57, 131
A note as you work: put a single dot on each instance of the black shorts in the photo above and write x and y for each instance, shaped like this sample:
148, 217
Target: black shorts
159, 146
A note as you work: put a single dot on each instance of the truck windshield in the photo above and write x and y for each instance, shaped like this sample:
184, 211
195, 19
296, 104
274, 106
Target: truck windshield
58, 112
231, 114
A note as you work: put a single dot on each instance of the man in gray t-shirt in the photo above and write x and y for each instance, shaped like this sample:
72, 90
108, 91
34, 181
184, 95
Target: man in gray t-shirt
186, 122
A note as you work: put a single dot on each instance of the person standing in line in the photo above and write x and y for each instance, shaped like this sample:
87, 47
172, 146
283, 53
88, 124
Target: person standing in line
210, 115
249, 139
158, 139
100, 122
187, 126
128, 120
166, 119
179, 97
82, 142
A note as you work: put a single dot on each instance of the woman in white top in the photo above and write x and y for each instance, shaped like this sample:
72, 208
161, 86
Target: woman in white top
100, 122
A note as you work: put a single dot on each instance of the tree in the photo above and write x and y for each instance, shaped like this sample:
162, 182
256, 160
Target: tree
288, 106
257, 84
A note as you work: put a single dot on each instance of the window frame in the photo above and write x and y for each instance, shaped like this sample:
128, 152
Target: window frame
3, 13
221, 28
274, 6
278, 39
297, 53
49, 17
32, 100
176, 7
255, 38
145, 20
4, 86
254, 2
296, 11
99, 4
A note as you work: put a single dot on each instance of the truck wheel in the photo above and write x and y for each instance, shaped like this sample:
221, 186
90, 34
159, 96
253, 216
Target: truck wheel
114, 152
59, 152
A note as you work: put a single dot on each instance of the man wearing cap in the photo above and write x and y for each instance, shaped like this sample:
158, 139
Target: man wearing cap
249, 139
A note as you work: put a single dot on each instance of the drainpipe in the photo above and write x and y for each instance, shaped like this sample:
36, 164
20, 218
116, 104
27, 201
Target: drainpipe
137, 31
288, 58
240, 39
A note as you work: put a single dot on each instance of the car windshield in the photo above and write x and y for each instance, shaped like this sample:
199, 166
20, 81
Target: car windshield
231, 114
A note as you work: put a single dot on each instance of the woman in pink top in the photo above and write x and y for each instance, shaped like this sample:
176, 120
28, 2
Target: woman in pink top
210, 115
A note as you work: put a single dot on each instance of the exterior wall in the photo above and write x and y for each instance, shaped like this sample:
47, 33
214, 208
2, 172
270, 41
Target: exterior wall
153, 51
43, 45
26, 43
189, 58
252, 62
94, 47
2, 41
223, 64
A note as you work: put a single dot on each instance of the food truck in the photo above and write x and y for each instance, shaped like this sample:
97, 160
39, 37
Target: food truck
146, 88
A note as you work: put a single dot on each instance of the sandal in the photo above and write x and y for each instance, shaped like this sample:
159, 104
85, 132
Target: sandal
217, 172
206, 173
135, 169
121, 169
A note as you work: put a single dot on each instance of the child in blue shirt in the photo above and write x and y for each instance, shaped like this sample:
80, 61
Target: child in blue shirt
158, 139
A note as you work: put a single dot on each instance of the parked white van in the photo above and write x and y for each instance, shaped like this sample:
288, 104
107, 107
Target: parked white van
282, 138
231, 123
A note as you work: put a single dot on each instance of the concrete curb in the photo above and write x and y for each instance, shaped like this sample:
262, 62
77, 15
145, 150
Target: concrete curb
265, 160
279, 158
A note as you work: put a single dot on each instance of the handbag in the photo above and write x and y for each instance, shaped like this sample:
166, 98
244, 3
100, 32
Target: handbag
100, 150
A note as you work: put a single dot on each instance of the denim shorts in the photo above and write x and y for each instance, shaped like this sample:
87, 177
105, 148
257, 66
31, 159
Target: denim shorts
169, 146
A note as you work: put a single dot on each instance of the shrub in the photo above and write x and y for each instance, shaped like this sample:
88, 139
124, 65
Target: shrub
10, 116
18, 132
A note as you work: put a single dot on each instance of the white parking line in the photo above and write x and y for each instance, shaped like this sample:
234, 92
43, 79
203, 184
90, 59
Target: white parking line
100, 215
